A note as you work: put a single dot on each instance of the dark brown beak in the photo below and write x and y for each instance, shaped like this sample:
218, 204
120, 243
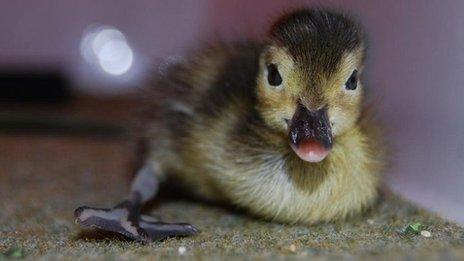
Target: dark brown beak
310, 126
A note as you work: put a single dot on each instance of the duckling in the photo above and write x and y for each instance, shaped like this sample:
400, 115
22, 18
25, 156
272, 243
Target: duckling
277, 128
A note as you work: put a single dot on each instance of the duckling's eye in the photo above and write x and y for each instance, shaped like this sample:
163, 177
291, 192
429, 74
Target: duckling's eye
352, 82
273, 75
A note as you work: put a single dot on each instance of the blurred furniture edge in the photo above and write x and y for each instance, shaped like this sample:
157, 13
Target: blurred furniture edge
43, 102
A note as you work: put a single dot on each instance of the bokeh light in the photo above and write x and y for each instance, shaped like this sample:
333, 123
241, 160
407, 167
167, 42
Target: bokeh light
108, 48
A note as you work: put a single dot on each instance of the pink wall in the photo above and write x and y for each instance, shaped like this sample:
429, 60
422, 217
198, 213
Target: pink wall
415, 66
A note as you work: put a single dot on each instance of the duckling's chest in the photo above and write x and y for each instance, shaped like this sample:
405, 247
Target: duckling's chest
273, 186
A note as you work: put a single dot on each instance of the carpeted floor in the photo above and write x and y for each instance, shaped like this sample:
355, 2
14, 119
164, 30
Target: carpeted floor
42, 179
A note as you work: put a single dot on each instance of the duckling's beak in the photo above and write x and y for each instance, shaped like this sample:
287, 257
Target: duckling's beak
310, 135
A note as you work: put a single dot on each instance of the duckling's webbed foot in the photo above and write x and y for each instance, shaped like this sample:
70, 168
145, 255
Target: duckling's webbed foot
125, 218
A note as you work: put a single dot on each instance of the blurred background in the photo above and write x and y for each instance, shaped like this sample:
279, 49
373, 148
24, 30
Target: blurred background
75, 68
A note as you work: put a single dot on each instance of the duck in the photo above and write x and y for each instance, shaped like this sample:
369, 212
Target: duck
278, 127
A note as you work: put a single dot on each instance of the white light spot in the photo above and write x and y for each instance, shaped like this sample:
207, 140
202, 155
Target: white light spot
182, 250
115, 57
426, 233
107, 47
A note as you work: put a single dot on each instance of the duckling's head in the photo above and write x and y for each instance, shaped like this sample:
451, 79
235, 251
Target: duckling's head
308, 84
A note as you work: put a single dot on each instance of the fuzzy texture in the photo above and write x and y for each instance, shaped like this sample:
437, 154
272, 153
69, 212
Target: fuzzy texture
224, 137
37, 199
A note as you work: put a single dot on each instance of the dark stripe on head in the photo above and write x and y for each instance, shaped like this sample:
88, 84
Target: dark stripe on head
317, 38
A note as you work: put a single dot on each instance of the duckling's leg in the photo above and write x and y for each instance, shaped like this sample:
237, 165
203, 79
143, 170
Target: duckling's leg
125, 217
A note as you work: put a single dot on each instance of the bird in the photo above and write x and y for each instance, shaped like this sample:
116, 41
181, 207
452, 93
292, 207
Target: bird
278, 127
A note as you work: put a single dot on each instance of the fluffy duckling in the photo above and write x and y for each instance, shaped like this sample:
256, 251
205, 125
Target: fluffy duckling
275, 127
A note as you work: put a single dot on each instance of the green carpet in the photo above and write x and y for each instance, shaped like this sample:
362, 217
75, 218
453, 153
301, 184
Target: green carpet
42, 179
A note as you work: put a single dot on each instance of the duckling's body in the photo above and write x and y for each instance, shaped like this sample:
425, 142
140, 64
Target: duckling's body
270, 127
220, 148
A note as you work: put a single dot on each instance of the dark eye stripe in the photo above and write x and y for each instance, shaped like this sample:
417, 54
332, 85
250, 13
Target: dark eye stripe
352, 82
273, 75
